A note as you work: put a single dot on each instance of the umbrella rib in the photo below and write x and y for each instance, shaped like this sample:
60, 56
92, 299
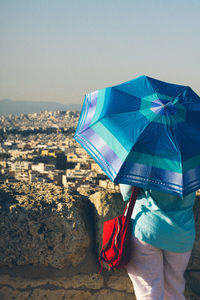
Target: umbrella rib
179, 152
105, 116
179, 93
119, 90
119, 113
153, 116
90, 125
173, 140
134, 145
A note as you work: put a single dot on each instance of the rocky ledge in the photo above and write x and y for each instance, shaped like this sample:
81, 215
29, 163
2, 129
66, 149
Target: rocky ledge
50, 240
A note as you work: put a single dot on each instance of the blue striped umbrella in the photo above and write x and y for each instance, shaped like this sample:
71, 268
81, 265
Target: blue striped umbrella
144, 132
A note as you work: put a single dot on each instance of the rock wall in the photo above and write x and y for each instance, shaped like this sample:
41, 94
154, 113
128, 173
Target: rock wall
50, 240
41, 226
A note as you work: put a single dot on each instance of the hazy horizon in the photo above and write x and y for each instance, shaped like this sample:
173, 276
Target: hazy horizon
57, 51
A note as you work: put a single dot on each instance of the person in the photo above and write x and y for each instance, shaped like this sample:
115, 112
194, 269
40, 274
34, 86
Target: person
163, 234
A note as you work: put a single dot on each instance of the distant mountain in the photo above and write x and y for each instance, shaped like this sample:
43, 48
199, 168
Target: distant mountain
8, 106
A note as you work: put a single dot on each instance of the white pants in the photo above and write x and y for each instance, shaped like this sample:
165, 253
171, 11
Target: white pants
157, 274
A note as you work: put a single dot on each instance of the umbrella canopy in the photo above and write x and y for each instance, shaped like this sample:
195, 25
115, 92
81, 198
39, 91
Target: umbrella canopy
144, 132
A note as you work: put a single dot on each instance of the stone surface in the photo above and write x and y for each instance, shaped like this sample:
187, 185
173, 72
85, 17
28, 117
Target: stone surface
7, 293
21, 283
41, 225
47, 294
61, 294
91, 281
120, 283
107, 206
193, 283
48, 242
106, 294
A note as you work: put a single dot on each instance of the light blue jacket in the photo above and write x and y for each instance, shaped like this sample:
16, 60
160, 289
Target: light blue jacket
163, 220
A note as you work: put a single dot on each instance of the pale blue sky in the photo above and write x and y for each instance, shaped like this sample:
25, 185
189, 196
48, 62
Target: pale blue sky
59, 50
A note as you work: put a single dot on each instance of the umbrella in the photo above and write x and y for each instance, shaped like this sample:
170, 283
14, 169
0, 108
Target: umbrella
146, 133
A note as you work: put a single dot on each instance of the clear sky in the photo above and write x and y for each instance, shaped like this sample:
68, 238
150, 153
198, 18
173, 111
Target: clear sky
59, 50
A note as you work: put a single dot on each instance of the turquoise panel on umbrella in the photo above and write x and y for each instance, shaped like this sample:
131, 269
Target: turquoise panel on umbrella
144, 132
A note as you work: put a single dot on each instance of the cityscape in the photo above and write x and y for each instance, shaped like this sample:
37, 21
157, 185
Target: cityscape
40, 148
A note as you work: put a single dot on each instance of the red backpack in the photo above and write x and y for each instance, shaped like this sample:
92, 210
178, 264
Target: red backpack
116, 241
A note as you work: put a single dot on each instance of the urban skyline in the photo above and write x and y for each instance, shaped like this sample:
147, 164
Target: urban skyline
40, 148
